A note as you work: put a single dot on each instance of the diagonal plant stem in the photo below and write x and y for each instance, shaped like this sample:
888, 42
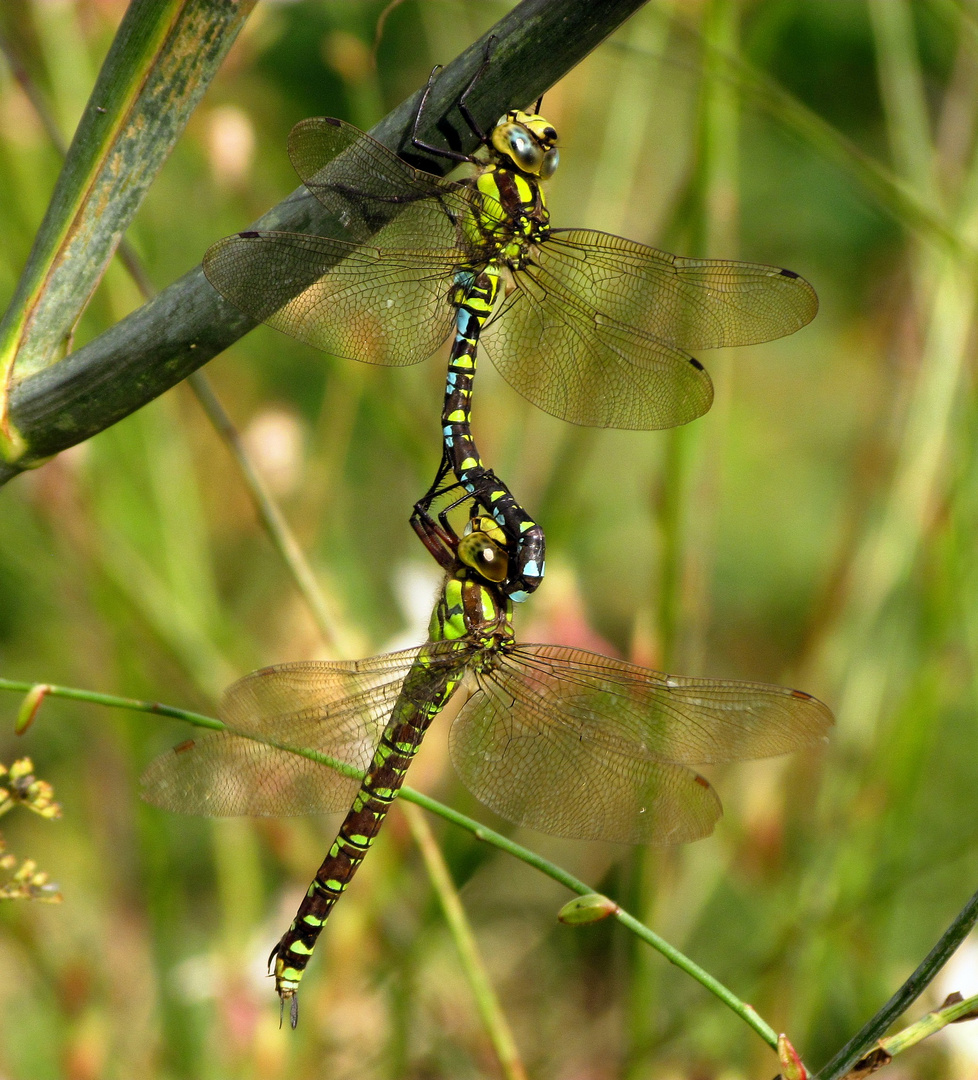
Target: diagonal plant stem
867, 1037
272, 518
480, 832
492, 1014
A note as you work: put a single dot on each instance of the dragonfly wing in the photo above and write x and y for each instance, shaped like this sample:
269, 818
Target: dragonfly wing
582, 745
578, 364
374, 195
275, 716
390, 307
531, 772
687, 303
674, 718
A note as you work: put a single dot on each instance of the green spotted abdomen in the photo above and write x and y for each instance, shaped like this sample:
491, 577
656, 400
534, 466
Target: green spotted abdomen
424, 694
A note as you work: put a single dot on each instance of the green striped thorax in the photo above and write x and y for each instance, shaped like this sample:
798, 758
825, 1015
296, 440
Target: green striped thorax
521, 153
471, 605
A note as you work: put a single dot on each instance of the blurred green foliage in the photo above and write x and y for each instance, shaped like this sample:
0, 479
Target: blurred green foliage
825, 537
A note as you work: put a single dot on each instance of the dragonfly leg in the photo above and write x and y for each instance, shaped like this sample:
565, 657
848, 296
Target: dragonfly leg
441, 543
440, 151
463, 107
468, 494
454, 155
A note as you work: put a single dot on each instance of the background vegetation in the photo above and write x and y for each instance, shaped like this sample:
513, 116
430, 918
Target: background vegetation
818, 528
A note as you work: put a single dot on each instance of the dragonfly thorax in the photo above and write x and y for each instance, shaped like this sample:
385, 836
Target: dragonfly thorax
517, 216
471, 609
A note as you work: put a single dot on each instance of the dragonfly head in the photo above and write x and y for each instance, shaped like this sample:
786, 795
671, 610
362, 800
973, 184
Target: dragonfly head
483, 549
529, 141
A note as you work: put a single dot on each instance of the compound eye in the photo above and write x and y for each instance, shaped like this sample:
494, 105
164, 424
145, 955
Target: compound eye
549, 165
524, 151
484, 556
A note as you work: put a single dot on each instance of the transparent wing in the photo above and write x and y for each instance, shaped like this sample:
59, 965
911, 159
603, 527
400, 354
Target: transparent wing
596, 328
379, 307
581, 745
335, 709
580, 365
687, 303
375, 196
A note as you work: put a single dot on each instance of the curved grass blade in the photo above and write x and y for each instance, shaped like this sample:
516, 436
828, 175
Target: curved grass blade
161, 61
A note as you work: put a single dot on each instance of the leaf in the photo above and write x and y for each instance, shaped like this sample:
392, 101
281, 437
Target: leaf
162, 58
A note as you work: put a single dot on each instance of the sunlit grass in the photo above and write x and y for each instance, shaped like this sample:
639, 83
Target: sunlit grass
824, 536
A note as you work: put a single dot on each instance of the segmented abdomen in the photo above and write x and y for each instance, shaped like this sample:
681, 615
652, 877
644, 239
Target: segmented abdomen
424, 694
477, 295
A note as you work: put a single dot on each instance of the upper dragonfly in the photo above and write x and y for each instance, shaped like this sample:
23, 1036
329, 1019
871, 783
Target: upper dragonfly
590, 327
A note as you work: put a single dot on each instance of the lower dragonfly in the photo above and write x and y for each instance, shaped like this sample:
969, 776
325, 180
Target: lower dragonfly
568, 742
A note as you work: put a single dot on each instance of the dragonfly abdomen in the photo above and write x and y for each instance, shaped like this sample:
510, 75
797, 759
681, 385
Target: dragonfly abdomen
410, 718
477, 296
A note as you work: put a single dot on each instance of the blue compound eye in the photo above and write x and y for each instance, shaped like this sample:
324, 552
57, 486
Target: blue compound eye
549, 165
524, 151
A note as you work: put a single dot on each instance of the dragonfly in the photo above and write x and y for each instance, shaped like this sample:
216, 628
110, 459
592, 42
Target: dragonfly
557, 739
590, 327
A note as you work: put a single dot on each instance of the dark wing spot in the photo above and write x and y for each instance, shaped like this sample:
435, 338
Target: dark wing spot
789, 273
801, 695
248, 235
699, 780
184, 746
696, 364
332, 120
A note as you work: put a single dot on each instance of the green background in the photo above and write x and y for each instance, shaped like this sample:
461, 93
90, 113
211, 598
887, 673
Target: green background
818, 527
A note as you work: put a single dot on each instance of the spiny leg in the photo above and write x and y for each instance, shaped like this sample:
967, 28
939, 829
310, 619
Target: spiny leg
441, 151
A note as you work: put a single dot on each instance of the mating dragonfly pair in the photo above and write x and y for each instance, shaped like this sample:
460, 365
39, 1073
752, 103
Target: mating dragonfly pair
591, 328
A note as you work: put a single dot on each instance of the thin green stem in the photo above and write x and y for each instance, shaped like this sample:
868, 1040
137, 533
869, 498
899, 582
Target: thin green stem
867, 1037
480, 832
538, 862
930, 1024
112, 701
272, 518
475, 970
951, 1012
